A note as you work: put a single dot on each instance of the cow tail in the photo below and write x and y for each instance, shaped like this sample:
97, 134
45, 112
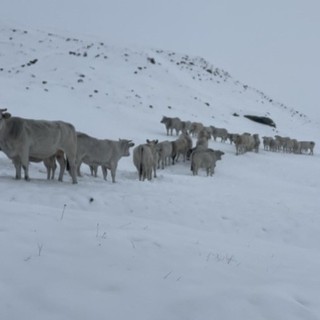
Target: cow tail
174, 152
68, 165
141, 163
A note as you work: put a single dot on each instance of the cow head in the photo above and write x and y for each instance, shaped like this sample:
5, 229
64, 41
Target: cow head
125, 146
152, 142
219, 154
4, 114
164, 119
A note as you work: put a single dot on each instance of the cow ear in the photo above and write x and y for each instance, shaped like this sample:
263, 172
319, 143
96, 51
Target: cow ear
148, 141
6, 115
156, 141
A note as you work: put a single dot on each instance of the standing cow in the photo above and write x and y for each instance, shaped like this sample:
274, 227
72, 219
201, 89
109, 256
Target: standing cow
246, 142
172, 123
205, 158
181, 146
195, 128
219, 133
24, 139
101, 152
164, 150
145, 159
305, 146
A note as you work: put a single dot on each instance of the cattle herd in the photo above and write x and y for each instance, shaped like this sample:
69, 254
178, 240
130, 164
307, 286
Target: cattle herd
24, 140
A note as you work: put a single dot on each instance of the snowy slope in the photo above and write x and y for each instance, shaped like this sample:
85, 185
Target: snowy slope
243, 244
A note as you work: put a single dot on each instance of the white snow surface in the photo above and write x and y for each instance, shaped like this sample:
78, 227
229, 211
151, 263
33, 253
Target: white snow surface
243, 244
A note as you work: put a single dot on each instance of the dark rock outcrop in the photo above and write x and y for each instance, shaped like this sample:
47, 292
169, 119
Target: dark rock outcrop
263, 120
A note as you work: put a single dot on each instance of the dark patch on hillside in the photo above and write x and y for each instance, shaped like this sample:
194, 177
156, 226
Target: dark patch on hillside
263, 120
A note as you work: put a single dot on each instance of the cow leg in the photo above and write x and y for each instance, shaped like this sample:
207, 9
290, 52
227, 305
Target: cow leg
113, 170
17, 165
49, 173
73, 169
62, 164
154, 171
78, 170
94, 170
159, 161
145, 173
73, 174
211, 170
53, 170
194, 169
105, 172
25, 166
26, 172
24, 162
48, 169
50, 164
113, 175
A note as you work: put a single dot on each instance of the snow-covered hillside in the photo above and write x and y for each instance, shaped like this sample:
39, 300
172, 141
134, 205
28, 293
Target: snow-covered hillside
96, 75
243, 244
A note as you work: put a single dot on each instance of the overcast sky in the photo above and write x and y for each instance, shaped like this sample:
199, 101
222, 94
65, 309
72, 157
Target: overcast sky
271, 45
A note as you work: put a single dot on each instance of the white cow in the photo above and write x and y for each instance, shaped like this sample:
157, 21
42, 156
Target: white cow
101, 152
24, 139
